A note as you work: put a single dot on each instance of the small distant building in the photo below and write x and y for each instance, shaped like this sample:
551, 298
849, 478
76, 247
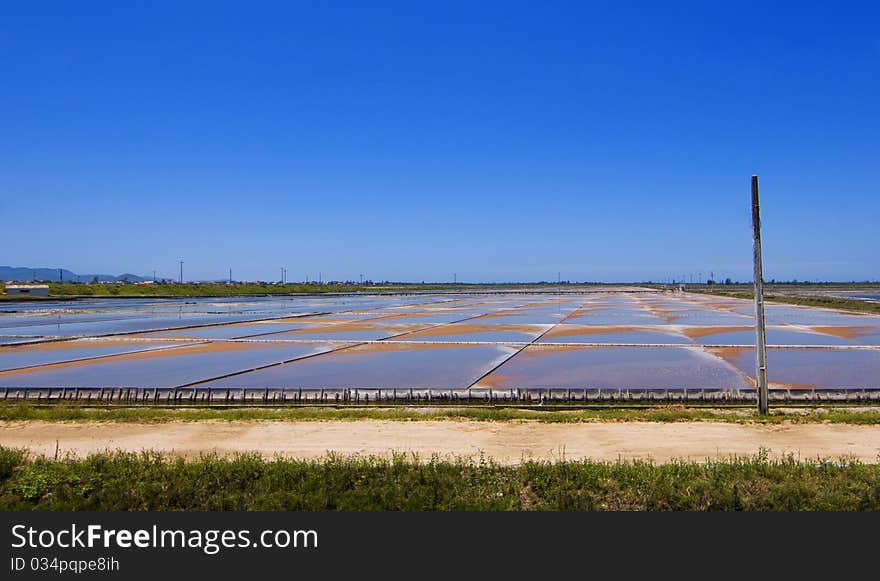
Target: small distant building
34, 290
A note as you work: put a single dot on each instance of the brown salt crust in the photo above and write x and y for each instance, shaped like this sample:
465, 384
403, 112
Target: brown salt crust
574, 330
540, 349
268, 322
386, 346
728, 353
494, 315
397, 316
354, 326
845, 332
697, 332
467, 328
495, 381
780, 385
152, 334
62, 345
663, 313
328, 319
189, 331
302, 319
187, 349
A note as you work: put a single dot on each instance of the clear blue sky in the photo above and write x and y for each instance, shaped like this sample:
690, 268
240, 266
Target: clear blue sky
414, 140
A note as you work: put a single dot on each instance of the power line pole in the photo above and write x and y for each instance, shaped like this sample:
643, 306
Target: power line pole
230, 276
760, 347
181, 272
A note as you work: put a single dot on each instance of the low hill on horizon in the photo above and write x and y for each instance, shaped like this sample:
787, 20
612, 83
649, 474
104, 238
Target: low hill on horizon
29, 274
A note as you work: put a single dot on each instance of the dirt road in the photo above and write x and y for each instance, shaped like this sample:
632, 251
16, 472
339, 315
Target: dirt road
506, 442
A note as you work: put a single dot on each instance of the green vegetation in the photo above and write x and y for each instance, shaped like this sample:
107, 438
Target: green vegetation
209, 289
772, 294
783, 292
217, 289
149, 481
55, 412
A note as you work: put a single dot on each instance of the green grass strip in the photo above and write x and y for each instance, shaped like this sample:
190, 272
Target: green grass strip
148, 481
61, 413
825, 302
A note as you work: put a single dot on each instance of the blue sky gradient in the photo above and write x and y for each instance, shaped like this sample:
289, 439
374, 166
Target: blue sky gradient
409, 141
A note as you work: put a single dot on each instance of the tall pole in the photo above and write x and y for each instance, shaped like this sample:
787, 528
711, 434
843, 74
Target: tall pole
230, 276
760, 348
181, 272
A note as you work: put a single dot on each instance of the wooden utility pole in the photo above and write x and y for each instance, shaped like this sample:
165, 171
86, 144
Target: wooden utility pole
760, 348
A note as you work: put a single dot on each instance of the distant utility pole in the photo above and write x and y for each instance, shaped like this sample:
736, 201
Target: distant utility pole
760, 348
181, 272
230, 276
154, 275
61, 276
454, 278
319, 278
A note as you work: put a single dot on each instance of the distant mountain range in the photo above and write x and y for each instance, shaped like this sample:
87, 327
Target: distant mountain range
24, 274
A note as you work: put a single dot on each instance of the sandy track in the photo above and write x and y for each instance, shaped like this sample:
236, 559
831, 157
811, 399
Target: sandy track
507, 442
